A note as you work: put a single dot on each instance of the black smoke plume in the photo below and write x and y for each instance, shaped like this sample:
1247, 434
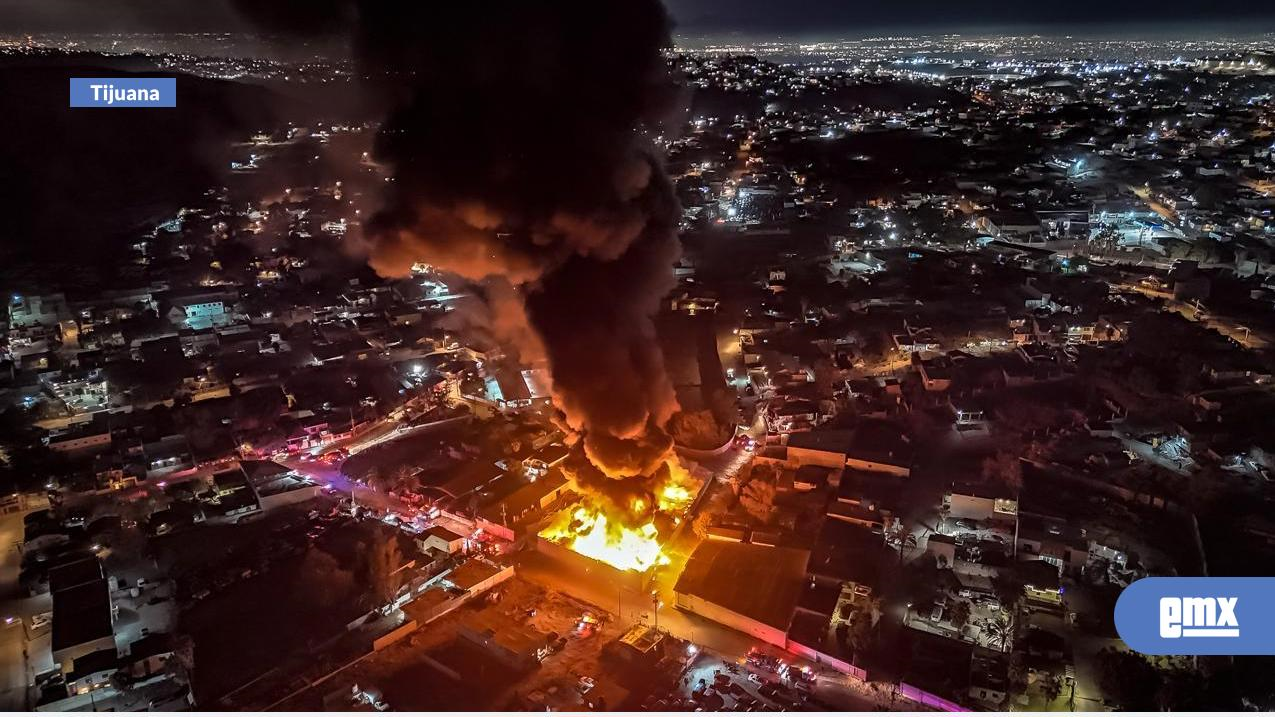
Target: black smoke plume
518, 138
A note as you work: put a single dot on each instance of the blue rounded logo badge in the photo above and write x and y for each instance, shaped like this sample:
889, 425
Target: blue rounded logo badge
1198, 616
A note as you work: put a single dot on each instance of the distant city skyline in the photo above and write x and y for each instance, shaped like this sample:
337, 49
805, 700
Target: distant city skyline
830, 17
816, 19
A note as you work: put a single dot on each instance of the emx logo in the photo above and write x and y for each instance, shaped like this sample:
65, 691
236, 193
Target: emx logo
1198, 616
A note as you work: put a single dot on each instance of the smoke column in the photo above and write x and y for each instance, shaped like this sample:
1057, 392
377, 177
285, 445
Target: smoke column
516, 136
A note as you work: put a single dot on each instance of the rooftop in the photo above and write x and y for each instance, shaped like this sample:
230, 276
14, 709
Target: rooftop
73, 573
875, 441
755, 581
81, 614
439, 531
472, 572
848, 552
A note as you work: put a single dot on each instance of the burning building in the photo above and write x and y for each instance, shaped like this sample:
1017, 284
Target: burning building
626, 539
519, 136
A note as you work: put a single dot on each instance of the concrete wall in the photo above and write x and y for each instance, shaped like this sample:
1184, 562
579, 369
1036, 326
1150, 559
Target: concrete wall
394, 635
627, 579
292, 497
441, 545
812, 457
732, 619
491, 582
442, 608
495, 529
916, 694
67, 657
873, 467
819, 658
85, 443
972, 507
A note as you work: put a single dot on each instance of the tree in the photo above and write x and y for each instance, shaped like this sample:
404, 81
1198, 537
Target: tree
406, 478
1129, 680
1009, 589
1006, 469
1106, 239
928, 220
959, 614
999, 631
375, 480
258, 409
899, 536
384, 568
758, 499
827, 377
860, 633
323, 579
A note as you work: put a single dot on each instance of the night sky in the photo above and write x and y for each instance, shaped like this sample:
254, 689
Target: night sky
800, 17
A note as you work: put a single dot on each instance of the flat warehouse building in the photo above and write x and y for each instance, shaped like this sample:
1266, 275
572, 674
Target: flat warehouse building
750, 588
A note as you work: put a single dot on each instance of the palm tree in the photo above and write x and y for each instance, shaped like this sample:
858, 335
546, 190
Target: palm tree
1105, 239
899, 537
998, 631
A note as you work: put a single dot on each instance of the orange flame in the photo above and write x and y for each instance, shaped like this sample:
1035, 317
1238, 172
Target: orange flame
676, 493
588, 532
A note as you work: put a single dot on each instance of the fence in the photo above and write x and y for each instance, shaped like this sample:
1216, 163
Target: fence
916, 694
394, 635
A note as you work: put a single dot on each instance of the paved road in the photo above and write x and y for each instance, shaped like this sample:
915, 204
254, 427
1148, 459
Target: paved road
13, 677
15, 669
331, 475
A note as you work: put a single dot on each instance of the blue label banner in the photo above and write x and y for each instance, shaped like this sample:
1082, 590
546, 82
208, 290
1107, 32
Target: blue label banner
1198, 616
123, 92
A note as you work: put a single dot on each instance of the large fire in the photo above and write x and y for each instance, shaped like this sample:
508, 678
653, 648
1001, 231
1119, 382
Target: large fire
587, 530
676, 494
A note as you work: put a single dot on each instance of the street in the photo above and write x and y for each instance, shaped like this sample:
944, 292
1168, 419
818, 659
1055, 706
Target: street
18, 670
